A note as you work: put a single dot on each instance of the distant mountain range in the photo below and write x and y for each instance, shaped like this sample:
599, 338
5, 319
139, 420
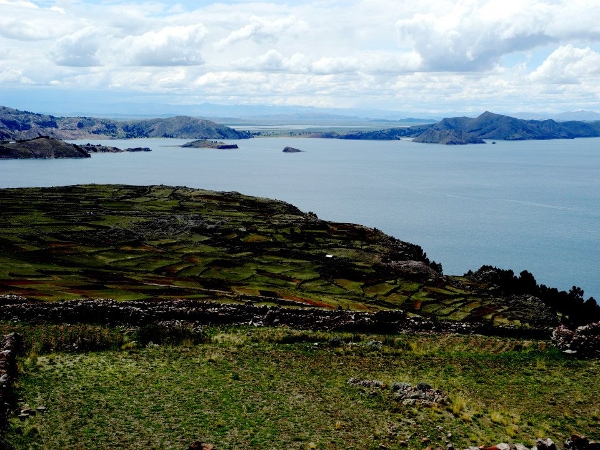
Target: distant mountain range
18, 125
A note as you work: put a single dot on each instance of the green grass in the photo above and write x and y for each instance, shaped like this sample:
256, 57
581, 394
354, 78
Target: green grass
284, 389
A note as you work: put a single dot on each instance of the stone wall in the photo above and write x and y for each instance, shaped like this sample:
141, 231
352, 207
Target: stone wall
137, 313
9, 347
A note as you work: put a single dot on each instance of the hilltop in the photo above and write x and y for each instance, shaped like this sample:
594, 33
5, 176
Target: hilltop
16, 124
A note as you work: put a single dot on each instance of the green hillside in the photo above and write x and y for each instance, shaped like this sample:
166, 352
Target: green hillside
159, 242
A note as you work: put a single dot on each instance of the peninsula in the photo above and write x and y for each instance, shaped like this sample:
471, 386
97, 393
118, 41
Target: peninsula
45, 147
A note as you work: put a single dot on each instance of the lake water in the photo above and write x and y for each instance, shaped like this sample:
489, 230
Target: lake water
517, 205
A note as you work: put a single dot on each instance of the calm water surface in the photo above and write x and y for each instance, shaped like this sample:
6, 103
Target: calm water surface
517, 205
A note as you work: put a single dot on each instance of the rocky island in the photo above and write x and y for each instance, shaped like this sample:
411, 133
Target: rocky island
205, 143
98, 148
288, 149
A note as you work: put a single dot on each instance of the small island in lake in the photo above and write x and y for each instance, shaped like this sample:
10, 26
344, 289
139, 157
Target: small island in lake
288, 149
205, 143
98, 148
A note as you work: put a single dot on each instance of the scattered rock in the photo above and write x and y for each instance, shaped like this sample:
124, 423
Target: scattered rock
422, 394
367, 383
576, 442
545, 444
201, 446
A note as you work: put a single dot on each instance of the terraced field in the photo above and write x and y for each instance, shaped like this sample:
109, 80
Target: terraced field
160, 242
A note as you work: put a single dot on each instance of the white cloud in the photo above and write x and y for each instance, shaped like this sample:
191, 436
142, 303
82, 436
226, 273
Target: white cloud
169, 46
14, 76
78, 49
375, 53
261, 30
23, 21
568, 65
476, 33
18, 3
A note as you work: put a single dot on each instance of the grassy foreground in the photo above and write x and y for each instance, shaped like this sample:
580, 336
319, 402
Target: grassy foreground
282, 389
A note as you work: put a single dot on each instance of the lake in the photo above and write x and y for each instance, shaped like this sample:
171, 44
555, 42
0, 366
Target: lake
529, 205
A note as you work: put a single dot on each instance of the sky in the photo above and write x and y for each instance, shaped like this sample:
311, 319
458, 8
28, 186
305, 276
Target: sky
425, 56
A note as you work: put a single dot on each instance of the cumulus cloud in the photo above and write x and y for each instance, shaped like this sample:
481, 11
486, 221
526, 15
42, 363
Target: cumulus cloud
568, 65
475, 34
299, 63
385, 52
14, 76
78, 49
169, 46
29, 28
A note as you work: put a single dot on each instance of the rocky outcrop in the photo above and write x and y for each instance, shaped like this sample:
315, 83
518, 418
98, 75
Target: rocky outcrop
584, 342
288, 149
